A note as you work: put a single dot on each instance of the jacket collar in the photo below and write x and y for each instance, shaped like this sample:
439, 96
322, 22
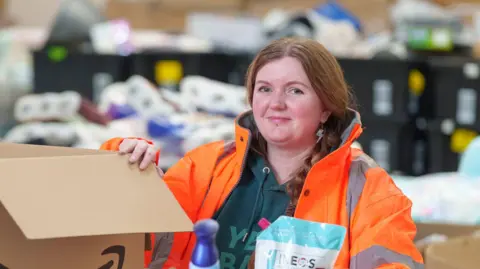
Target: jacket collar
245, 126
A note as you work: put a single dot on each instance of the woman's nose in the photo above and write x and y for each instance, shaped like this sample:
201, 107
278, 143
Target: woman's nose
278, 101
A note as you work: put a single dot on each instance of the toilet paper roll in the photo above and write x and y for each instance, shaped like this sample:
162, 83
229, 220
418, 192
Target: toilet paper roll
88, 133
47, 106
175, 99
139, 80
68, 104
25, 132
145, 99
115, 94
128, 127
61, 106
213, 96
87, 145
53, 133
199, 137
26, 108
190, 88
60, 134
20, 133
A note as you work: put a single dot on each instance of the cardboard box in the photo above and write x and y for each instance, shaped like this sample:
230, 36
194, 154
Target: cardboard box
79, 209
456, 253
189, 4
449, 230
154, 15
145, 15
260, 8
204, 4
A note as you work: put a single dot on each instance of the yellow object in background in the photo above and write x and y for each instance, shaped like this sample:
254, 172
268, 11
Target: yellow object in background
460, 139
416, 82
168, 72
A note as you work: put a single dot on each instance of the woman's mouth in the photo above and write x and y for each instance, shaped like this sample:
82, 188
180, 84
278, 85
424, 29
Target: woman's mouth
278, 120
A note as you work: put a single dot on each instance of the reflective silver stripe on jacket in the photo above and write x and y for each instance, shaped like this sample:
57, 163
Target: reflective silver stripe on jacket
161, 250
375, 256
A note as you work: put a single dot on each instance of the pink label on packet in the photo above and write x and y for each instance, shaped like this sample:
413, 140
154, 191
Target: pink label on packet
264, 223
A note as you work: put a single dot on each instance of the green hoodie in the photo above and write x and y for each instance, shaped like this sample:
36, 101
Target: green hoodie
257, 195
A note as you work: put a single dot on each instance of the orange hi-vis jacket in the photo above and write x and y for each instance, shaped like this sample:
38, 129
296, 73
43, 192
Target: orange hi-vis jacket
346, 188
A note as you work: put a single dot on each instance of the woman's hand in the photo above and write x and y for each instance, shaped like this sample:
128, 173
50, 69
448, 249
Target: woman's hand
141, 152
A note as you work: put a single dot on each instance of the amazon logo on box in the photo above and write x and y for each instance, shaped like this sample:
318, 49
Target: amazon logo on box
120, 258
79, 209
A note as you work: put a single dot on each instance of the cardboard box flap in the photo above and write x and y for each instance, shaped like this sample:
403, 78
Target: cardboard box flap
87, 195
12, 150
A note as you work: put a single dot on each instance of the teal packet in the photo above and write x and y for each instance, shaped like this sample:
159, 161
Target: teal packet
290, 243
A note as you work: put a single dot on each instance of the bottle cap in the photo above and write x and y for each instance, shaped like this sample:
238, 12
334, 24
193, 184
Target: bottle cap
206, 228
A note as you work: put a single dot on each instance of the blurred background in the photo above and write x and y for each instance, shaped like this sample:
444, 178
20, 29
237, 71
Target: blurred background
75, 73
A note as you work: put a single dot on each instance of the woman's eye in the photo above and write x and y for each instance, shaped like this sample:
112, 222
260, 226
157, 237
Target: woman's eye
264, 89
296, 91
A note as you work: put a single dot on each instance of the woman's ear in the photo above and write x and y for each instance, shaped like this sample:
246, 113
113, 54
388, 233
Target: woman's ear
325, 115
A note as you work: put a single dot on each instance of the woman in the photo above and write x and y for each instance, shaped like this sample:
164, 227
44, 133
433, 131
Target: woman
292, 155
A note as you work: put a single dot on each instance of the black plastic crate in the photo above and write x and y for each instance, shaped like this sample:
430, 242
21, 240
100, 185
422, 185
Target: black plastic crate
447, 141
396, 147
456, 90
87, 74
166, 68
393, 90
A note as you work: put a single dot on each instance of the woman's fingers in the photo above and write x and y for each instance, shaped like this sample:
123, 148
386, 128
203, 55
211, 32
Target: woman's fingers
148, 157
127, 146
138, 151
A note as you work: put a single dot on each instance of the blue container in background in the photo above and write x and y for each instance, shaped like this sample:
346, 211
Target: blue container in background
336, 12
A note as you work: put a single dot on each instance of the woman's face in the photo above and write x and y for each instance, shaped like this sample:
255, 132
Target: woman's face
286, 108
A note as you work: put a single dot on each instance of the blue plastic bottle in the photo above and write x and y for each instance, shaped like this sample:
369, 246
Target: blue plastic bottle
205, 254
